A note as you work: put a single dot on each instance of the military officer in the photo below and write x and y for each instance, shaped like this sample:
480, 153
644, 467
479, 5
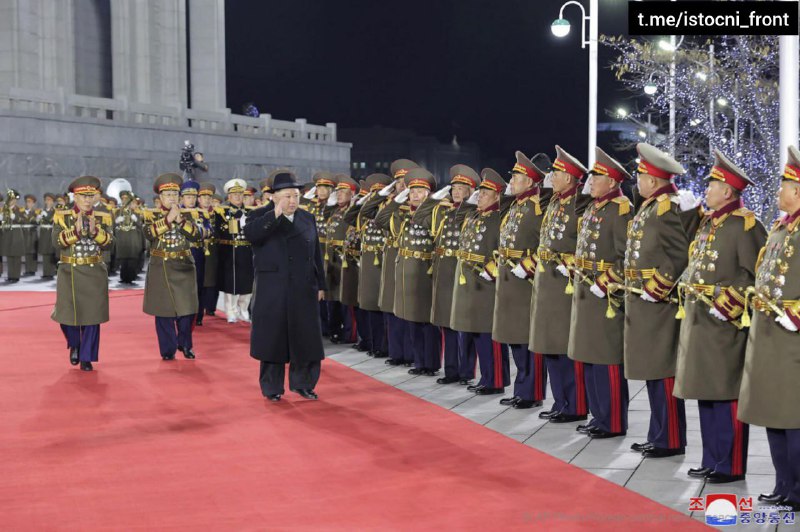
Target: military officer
170, 290
519, 240
29, 226
209, 295
315, 201
250, 197
769, 393
399, 338
45, 246
711, 348
474, 288
551, 301
80, 234
450, 214
413, 290
13, 218
266, 187
128, 238
189, 194
656, 255
369, 280
597, 320
234, 255
351, 271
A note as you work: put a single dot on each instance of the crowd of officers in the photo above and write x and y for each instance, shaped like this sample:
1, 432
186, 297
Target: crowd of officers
561, 271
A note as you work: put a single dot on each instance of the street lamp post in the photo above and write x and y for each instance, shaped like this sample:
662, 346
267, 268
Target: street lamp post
560, 28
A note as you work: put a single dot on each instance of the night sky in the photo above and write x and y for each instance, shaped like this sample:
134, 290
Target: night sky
489, 71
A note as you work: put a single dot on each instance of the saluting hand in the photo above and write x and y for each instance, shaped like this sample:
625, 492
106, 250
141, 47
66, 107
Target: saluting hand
320, 295
79, 222
280, 206
92, 226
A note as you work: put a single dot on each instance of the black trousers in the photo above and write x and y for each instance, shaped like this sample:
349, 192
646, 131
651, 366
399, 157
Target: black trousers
301, 376
128, 270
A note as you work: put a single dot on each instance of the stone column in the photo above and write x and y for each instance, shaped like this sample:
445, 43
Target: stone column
207, 54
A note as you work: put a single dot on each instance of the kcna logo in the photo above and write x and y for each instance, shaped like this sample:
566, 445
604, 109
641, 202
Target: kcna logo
722, 509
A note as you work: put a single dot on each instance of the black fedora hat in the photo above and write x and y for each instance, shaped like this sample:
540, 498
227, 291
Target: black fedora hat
284, 180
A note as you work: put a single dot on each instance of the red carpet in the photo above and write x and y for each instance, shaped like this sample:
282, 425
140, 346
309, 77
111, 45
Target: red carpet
146, 444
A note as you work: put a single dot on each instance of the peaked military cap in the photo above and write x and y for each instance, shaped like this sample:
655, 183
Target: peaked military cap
567, 163
87, 185
792, 169
420, 178
461, 173
345, 182
608, 166
207, 189
491, 180
656, 163
235, 185
400, 167
168, 181
377, 181
726, 171
324, 179
190, 188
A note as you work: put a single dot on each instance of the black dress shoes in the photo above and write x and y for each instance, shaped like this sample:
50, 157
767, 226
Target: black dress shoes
660, 452
199, 320
360, 347
86, 366
408, 364
274, 397
473, 387
416, 371
524, 404
187, 352
641, 447
73, 356
585, 428
791, 506
566, 418
771, 498
308, 394
446, 380
721, 478
699, 472
335, 339
393, 362
598, 434
380, 354
547, 414
489, 391
168, 356
211, 313
465, 382
509, 401
430, 373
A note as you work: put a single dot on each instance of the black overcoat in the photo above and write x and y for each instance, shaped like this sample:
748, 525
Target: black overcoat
288, 275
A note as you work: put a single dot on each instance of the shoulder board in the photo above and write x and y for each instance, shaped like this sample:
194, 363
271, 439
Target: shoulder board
624, 205
60, 215
148, 214
38, 211
748, 215
776, 225
304, 206
220, 210
192, 212
405, 208
537, 205
794, 225
664, 204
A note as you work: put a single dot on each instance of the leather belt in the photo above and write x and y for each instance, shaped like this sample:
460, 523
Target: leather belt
593, 266
323, 240
470, 257
632, 275
352, 252
339, 243
705, 289
508, 253
446, 252
371, 248
80, 261
196, 245
233, 242
412, 254
170, 254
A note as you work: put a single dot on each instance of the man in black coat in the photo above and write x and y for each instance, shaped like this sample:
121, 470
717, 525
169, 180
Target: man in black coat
289, 283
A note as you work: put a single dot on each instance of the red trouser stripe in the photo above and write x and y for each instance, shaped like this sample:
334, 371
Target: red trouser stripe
353, 330
580, 390
737, 465
613, 387
441, 351
498, 365
672, 414
538, 380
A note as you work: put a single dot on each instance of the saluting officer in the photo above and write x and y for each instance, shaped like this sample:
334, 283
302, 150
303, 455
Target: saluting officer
474, 288
170, 290
722, 261
391, 221
235, 257
447, 231
769, 394
597, 320
80, 234
29, 225
657, 253
210, 293
351, 270
315, 201
551, 304
45, 243
519, 240
369, 279
413, 291
13, 218
266, 187
201, 218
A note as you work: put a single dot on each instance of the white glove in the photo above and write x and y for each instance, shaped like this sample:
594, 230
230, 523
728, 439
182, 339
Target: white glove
686, 200
508, 191
596, 290
310, 193
562, 270
587, 187
473, 199
485, 276
385, 191
787, 323
13, 216
519, 271
361, 201
242, 222
402, 197
717, 314
119, 219
332, 200
646, 297
441, 194
133, 217
548, 180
